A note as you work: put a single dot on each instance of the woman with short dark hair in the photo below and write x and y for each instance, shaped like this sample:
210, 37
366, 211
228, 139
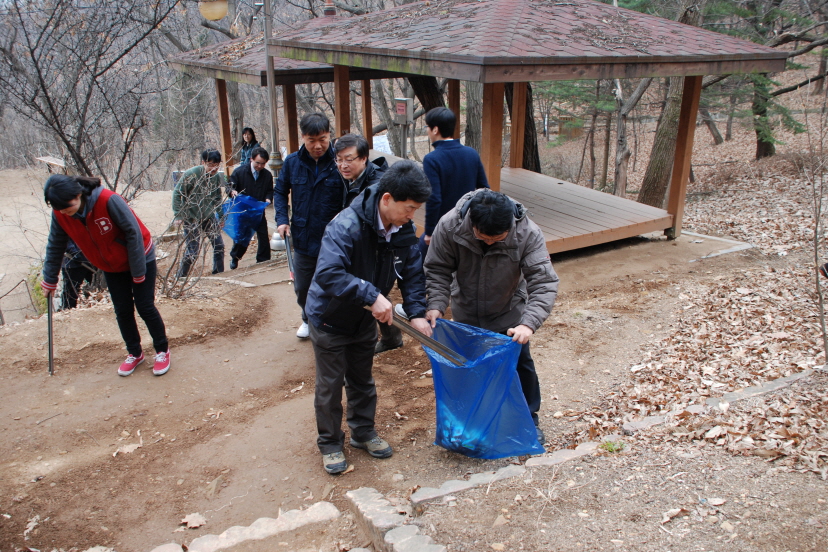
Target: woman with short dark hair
249, 143
115, 240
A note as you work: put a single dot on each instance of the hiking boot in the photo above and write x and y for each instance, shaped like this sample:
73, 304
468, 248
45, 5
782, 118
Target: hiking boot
130, 364
541, 436
376, 447
304, 331
334, 463
162, 363
382, 346
234, 263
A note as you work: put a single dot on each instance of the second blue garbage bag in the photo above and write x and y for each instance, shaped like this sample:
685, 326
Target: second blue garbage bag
481, 410
242, 215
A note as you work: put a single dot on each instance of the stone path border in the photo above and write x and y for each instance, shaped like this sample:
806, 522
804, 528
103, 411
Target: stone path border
262, 528
737, 245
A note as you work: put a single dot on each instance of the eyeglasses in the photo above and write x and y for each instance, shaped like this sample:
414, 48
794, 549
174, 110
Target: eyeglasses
347, 161
489, 240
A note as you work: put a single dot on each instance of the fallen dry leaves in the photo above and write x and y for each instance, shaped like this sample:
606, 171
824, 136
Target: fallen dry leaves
741, 330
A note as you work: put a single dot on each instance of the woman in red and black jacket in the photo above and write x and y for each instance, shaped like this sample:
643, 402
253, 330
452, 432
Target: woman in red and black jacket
115, 240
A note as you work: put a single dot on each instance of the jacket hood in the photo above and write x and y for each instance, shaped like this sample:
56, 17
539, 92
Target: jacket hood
90, 202
365, 206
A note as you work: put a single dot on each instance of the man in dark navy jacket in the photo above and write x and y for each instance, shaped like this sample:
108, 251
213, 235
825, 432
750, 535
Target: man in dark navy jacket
317, 194
452, 169
365, 248
253, 179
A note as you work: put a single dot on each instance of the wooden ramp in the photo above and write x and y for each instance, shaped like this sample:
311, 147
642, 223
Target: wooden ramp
572, 216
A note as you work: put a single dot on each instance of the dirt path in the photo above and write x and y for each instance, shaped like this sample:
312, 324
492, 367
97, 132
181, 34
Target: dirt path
229, 432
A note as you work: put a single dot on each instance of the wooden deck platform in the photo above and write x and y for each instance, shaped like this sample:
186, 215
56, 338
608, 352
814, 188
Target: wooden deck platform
573, 216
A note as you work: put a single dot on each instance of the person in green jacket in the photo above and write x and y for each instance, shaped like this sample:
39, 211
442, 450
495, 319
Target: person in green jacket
196, 201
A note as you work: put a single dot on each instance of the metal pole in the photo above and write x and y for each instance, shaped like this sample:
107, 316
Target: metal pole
51, 333
404, 141
275, 162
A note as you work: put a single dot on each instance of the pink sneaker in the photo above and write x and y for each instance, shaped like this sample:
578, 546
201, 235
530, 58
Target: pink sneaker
162, 363
130, 364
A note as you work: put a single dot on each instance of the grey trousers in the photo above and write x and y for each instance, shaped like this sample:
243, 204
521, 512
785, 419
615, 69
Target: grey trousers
344, 360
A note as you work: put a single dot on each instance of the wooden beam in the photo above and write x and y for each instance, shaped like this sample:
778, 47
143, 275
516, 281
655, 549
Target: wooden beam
342, 100
684, 151
226, 139
518, 125
454, 103
291, 118
367, 120
491, 148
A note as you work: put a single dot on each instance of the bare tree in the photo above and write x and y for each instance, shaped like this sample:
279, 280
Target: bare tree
73, 70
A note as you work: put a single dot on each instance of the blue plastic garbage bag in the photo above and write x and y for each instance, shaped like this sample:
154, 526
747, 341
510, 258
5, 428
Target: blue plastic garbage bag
481, 410
242, 215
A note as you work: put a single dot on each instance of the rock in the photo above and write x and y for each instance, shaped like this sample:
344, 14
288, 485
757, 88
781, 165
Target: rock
500, 521
397, 477
498, 546
213, 486
716, 501
558, 414
727, 526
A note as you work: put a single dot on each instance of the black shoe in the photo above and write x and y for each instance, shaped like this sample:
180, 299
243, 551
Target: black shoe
382, 346
234, 264
541, 436
824, 270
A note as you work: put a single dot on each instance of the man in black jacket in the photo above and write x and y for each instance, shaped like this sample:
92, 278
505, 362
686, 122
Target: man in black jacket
255, 180
364, 249
358, 172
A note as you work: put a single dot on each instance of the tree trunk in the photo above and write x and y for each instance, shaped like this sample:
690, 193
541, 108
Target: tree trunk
765, 146
592, 150
427, 91
236, 117
531, 157
730, 115
657, 177
381, 106
607, 142
711, 125
474, 114
660, 167
823, 69
622, 148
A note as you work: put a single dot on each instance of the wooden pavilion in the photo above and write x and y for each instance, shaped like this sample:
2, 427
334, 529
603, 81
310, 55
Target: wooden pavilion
500, 41
244, 61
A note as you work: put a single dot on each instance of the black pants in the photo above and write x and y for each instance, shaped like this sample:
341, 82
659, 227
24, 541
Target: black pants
529, 381
344, 360
194, 233
263, 248
73, 278
303, 268
127, 297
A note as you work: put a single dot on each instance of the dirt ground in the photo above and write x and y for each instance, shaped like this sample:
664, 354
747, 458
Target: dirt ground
229, 431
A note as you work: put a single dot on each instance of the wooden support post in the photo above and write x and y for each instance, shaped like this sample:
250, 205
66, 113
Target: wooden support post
518, 125
367, 120
491, 148
342, 100
226, 146
291, 119
454, 103
684, 151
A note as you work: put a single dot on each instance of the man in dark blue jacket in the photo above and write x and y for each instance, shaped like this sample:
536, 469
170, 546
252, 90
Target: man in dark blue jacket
253, 179
317, 194
452, 169
365, 248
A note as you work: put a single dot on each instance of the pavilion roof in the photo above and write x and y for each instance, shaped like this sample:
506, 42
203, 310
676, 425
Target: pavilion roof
522, 40
243, 60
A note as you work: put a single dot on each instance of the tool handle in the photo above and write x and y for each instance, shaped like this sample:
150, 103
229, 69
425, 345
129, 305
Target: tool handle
51, 333
289, 251
445, 352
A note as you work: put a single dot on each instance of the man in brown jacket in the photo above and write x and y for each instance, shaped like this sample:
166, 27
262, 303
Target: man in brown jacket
489, 262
